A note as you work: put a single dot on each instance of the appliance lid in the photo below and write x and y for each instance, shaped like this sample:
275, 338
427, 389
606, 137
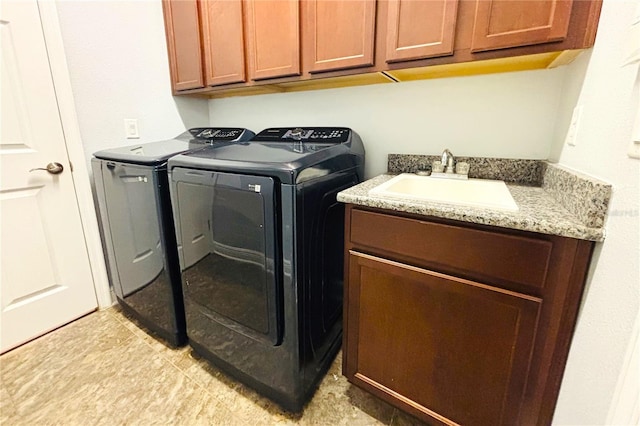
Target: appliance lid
263, 152
284, 153
159, 152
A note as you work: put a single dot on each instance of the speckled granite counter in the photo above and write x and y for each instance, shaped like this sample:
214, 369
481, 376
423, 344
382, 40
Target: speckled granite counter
565, 203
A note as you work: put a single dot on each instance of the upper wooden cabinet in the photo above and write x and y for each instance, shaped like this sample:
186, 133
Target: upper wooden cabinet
273, 38
340, 34
183, 43
223, 41
509, 23
234, 44
420, 29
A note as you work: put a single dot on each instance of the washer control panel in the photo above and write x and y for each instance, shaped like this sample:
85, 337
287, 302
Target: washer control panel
221, 134
307, 134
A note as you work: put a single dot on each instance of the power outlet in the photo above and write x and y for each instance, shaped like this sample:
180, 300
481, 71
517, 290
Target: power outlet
572, 133
131, 128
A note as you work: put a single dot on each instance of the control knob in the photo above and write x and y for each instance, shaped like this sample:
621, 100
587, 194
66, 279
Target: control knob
296, 133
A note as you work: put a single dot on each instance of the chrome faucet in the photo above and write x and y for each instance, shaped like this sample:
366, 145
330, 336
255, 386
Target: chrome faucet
448, 161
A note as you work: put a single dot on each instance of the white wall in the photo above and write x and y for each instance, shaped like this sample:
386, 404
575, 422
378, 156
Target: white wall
117, 58
502, 115
609, 94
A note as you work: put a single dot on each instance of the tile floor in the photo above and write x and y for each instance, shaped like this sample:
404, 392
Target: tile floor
104, 369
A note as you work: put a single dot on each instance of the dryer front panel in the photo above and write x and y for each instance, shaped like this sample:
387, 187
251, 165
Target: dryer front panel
228, 249
132, 209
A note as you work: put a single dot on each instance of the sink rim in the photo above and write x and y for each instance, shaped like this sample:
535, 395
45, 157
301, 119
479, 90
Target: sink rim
506, 204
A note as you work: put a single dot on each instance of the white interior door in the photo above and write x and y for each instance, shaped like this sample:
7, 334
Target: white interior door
45, 278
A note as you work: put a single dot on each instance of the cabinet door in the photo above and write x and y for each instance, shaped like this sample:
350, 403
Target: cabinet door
183, 43
418, 29
223, 41
439, 346
273, 39
511, 23
339, 34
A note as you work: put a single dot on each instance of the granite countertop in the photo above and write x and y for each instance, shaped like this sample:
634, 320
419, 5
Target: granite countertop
562, 202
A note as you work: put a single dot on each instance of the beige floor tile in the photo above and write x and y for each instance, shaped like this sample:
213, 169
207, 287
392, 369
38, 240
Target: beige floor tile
51, 365
7, 407
159, 345
337, 402
104, 369
137, 386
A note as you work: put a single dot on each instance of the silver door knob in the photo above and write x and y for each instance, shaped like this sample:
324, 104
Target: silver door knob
53, 168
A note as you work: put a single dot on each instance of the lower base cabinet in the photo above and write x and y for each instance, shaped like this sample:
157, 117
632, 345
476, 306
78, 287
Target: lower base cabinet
456, 323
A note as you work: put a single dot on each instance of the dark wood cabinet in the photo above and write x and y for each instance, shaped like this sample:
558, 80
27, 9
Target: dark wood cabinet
273, 38
182, 27
458, 323
419, 29
500, 24
340, 34
438, 340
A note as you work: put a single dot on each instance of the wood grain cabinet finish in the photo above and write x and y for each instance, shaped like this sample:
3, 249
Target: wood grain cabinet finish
482, 256
441, 320
235, 44
460, 349
223, 41
182, 28
340, 34
420, 29
511, 23
273, 38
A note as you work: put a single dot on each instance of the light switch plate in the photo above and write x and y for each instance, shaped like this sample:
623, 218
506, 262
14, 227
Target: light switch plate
131, 128
634, 147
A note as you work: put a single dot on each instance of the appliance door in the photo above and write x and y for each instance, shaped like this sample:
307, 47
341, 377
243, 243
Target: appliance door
132, 209
229, 250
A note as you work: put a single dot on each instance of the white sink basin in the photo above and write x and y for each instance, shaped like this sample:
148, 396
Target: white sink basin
485, 193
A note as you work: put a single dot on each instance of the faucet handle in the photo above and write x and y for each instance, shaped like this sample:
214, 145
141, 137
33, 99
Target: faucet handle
462, 168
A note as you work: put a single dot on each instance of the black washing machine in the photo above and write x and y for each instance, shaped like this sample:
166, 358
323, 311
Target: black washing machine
132, 189
261, 239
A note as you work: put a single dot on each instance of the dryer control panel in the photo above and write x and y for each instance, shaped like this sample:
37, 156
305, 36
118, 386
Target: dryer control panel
221, 134
307, 134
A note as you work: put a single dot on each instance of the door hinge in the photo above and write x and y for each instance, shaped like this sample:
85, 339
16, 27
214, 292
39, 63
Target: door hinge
71, 166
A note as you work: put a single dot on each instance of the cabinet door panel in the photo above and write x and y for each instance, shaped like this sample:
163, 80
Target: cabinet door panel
223, 41
511, 23
183, 42
340, 33
273, 39
456, 350
418, 29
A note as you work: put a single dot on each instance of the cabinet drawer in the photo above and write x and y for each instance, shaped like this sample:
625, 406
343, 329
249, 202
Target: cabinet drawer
482, 255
